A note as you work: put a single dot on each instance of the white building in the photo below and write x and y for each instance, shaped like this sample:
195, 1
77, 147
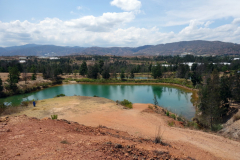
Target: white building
22, 61
236, 59
54, 58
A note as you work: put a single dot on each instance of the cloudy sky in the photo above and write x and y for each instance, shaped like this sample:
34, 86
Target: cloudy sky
108, 23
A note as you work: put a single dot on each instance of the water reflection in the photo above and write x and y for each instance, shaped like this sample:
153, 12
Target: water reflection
178, 100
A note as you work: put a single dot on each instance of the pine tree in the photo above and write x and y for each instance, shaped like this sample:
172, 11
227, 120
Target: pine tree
13, 77
93, 71
105, 73
132, 74
83, 69
122, 75
156, 71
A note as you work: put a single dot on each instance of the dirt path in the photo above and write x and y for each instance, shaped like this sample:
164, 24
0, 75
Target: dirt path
95, 111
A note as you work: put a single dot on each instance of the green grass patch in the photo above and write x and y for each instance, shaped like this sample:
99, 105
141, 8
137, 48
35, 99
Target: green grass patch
55, 116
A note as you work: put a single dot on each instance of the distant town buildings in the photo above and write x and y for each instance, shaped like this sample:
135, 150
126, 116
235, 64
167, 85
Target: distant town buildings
22, 61
54, 58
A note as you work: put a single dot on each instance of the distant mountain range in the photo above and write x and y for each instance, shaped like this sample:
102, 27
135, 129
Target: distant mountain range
194, 47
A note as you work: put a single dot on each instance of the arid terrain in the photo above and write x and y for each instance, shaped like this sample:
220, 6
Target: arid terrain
98, 128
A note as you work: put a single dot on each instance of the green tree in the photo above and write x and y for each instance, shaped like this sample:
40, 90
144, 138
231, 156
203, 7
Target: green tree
1, 88
210, 105
75, 72
34, 71
156, 71
132, 74
13, 77
105, 73
33, 76
83, 68
93, 71
195, 78
235, 86
101, 64
122, 75
225, 94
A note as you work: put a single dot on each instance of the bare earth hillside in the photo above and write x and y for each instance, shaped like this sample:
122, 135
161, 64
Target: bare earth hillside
129, 133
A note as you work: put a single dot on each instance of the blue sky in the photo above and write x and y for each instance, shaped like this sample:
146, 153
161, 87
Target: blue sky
109, 23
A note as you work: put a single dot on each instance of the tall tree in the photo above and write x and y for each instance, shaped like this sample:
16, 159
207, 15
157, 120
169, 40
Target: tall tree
13, 77
210, 105
93, 71
105, 73
83, 69
1, 88
195, 78
101, 64
122, 75
132, 74
156, 71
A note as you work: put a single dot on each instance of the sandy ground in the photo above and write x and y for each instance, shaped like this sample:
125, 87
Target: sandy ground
95, 111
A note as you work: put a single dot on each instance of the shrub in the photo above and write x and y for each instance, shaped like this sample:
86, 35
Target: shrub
158, 137
192, 124
55, 116
216, 127
171, 123
167, 113
64, 142
2, 108
180, 119
25, 103
150, 107
236, 117
60, 95
126, 103
173, 116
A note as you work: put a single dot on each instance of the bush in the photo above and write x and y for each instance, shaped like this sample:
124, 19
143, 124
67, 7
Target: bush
216, 127
173, 116
167, 113
171, 123
60, 95
2, 108
192, 124
55, 116
25, 103
180, 119
236, 117
126, 103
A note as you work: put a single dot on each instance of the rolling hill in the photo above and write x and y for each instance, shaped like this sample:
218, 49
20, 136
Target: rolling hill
197, 47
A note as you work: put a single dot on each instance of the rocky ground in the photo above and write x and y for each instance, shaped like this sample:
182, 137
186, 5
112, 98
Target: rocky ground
22, 137
105, 131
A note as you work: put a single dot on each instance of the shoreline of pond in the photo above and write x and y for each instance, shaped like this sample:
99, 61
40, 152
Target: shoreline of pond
30, 96
40, 88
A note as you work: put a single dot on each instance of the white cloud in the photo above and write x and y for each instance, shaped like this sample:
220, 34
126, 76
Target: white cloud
103, 23
127, 5
181, 12
88, 31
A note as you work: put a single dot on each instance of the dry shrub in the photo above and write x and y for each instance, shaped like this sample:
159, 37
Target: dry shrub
236, 117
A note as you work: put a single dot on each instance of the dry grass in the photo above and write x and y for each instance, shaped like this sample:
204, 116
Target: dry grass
159, 136
236, 117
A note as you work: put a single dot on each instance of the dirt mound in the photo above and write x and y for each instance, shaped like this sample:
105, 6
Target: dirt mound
232, 127
30, 138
